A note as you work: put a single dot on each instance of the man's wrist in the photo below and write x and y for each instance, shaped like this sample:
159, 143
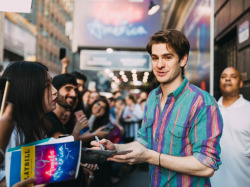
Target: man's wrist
153, 157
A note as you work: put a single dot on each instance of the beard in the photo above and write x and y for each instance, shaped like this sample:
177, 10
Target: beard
61, 100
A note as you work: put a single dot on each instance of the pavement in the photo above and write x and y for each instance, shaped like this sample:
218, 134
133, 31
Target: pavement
137, 178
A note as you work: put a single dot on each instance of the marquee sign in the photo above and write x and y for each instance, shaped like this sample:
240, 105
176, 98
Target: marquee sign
113, 23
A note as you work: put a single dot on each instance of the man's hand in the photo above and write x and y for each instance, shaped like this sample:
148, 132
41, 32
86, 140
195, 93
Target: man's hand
106, 143
65, 64
26, 182
139, 154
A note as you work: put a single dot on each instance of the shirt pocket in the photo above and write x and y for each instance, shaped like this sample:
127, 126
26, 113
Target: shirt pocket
178, 137
149, 122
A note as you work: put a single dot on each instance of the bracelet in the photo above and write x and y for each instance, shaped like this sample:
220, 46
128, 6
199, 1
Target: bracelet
160, 160
2, 153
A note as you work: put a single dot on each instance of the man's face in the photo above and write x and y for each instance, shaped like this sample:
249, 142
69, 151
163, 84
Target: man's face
67, 95
80, 85
230, 82
166, 64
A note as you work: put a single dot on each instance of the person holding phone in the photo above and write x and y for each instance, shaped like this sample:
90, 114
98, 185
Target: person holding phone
98, 119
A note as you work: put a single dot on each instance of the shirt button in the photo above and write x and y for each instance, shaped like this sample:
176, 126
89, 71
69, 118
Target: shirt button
157, 139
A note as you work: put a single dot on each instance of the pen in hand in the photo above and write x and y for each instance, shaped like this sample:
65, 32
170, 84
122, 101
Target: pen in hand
97, 139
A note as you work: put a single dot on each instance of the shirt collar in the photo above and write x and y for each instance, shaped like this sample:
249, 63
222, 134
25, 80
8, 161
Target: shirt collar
237, 104
179, 91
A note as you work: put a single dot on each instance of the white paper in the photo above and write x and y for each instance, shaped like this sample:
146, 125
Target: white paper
23, 6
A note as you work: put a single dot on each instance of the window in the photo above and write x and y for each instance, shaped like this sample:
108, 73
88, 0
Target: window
56, 41
46, 55
41, 7
50, 56
51, 37
41, 29
52, 18
46, 33
41, 51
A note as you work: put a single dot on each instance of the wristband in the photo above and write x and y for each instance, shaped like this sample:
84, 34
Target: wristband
160, 160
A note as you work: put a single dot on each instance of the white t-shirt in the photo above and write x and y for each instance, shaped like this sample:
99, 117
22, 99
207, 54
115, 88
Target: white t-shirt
235, 146
14, 142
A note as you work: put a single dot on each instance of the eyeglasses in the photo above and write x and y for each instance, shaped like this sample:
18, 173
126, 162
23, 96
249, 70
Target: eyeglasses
102, 107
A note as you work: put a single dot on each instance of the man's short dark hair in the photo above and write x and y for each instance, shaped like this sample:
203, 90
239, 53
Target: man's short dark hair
173, 39
63, 79
79, 75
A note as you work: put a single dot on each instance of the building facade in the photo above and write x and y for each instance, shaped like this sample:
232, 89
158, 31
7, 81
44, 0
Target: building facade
232, 41
51, 18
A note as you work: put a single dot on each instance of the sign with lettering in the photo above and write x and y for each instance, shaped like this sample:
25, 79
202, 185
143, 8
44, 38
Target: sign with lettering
118, 60
48, 163
15, 6
116, 23
243, 32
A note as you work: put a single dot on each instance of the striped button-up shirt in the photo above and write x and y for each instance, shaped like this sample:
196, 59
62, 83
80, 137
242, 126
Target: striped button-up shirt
190, 124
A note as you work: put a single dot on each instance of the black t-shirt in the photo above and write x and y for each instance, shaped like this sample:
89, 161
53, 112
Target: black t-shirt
56, 124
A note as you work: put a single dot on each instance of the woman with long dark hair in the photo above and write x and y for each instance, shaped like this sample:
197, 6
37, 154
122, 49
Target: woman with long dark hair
97, 118
32, 95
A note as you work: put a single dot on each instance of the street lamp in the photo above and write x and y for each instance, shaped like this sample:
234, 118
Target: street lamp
153, 8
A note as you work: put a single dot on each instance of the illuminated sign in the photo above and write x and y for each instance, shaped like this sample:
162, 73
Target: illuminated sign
197, 30
118, 60
117, 23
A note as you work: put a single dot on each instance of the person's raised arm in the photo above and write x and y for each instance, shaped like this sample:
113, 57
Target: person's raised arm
65, 64
88, 136
81, 123
6, 127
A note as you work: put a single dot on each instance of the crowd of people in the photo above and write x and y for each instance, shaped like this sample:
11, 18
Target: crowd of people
47, 107
176, 129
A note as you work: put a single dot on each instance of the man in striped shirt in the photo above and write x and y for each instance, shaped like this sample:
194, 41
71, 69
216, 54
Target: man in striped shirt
182, 124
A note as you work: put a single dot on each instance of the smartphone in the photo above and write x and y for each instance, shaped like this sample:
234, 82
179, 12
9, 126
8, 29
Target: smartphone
62, 53
79, 114
108, 128
5, 92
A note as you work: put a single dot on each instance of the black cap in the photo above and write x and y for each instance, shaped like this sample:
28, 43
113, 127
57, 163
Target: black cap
63, 79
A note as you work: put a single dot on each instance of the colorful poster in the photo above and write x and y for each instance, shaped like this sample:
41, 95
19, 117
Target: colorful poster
197, 30
49, 163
